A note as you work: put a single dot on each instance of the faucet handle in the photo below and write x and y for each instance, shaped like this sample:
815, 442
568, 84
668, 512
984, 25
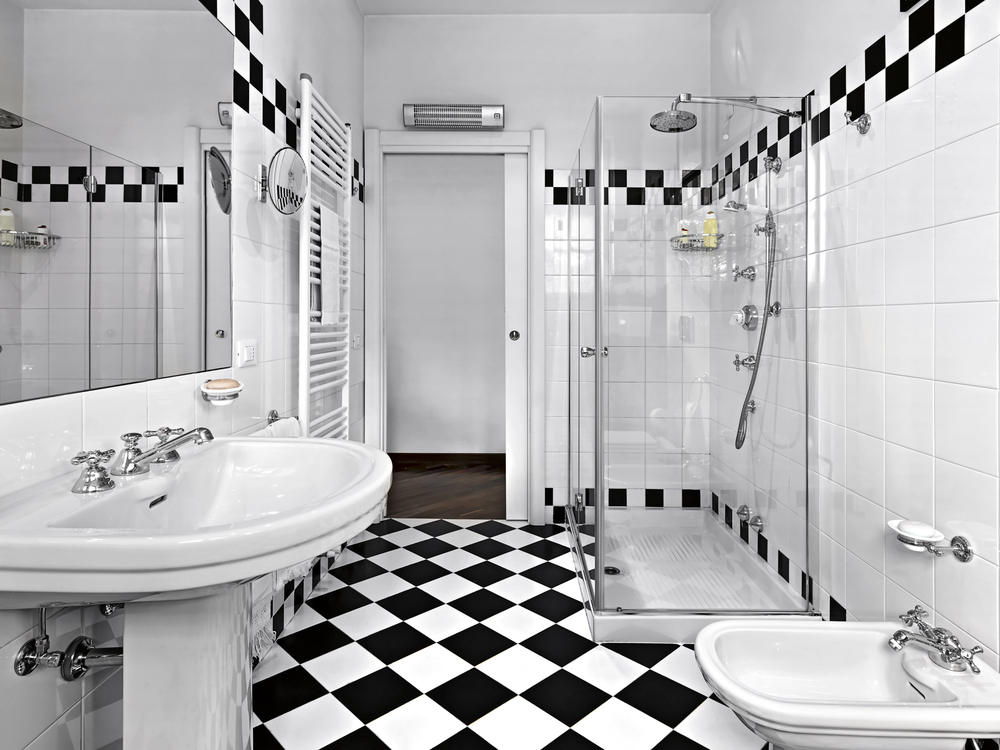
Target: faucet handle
163, 433
132, 439
92, 458
967, 654
914, 616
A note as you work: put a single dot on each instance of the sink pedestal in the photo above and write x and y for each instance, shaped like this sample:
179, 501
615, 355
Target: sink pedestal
187, 673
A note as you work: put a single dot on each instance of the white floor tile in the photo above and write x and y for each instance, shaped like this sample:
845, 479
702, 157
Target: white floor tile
518, 725
441, 622
342, 667
405, 537
516, 538
365, 620
605, 669
517, 668
578, 623
682, 667
306, 617
275, 661
717, 728
615, 725
448, 588
397, 558
430, 667
382, 586
462, 537
517, 623
517, 588
457, 559
314, 725
418, 725
516, 561
346, 558
326, 585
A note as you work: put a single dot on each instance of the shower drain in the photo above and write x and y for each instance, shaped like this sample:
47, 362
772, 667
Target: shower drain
611, 570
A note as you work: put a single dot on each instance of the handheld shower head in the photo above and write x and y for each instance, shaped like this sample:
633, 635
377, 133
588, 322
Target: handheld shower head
9, 121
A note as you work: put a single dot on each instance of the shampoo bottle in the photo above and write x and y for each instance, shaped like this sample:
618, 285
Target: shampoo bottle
6, 225
711, 230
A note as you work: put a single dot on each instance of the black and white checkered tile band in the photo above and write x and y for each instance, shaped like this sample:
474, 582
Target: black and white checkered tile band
116, 184
255, 90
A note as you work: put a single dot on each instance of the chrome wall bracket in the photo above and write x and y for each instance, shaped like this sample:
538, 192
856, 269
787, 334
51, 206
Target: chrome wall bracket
772, 164
960, 547
863, 123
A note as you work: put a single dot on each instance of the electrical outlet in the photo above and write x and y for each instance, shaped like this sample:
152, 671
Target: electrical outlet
246, 353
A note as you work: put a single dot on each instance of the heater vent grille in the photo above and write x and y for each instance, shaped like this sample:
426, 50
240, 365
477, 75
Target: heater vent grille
454, 116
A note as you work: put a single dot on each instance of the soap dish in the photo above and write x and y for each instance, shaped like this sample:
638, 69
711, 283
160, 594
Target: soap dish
220, 396
921, 537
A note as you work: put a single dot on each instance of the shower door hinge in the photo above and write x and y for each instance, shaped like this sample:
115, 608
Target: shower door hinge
90, 183
578, 501
579, 187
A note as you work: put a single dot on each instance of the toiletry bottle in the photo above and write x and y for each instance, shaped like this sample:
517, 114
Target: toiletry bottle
6, 225
711, 230
685, 238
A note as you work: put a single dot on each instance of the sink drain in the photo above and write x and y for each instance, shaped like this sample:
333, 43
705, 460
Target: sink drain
611, 570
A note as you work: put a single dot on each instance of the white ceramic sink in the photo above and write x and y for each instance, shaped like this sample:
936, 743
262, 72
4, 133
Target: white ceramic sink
839, 685
228, 511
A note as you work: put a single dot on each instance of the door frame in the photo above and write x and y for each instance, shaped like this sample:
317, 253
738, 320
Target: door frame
379, 143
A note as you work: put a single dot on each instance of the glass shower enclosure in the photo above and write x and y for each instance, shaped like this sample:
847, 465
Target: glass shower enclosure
687, 281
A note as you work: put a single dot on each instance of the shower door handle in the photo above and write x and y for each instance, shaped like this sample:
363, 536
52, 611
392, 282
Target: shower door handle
587, 351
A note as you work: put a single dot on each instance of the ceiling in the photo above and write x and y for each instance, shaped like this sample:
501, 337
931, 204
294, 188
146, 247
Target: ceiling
519, 7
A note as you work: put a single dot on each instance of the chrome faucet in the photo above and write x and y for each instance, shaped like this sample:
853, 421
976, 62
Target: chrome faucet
132, 461
945, 649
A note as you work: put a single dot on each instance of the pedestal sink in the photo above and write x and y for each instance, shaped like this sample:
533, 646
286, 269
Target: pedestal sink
179, 546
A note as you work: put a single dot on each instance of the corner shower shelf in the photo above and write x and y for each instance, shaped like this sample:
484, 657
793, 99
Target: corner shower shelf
695, 243
27, 240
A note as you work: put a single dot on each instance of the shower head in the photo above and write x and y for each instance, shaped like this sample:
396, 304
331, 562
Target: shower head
673, 120
9, 121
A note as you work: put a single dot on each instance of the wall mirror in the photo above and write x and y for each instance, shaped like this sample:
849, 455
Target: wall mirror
286, 181
121, 269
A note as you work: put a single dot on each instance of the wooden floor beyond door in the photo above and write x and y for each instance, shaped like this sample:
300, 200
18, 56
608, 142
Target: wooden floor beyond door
448, 485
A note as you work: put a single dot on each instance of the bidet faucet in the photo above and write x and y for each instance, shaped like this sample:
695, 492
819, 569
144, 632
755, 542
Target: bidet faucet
945, 649
133, 461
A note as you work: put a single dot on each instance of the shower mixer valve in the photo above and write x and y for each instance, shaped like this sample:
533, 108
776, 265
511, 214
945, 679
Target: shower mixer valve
749, 273
747, 362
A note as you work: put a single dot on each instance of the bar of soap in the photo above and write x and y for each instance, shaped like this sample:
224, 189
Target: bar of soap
222, 384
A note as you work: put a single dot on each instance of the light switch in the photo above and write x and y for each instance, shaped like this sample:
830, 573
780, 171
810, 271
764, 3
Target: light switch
246, 353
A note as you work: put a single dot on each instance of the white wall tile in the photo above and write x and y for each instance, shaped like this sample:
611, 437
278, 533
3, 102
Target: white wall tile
909, 346
965, 178
909, 195
965, 343
965, 260
967, 98
965, 426
909, 123
909, 268
909, 482
910, 413
966, 505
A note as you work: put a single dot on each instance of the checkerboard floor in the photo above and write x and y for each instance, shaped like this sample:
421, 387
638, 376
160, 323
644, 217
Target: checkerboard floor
461, 635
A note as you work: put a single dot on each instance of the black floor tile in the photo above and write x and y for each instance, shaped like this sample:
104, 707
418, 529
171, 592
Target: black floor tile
471, 695
264, 740
396, 642
409, 603
465, 740
314, 641
481, 604
387, 526
485, 573
569, 741
374, 695
359, 739
549, 575
546, 549
559, 645
284, 691
437, 528
646, 654
373, 547
338, 602
661, 698
674, 741
565, 696
488, 549
477, 644
421, 572
356, 572
553, 605
545, 531
491, 528
431, 548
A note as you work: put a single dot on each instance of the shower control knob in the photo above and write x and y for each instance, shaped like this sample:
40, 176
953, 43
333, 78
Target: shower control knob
515, 335
746, 317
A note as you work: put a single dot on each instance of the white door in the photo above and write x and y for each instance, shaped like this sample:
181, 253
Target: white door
456, 309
